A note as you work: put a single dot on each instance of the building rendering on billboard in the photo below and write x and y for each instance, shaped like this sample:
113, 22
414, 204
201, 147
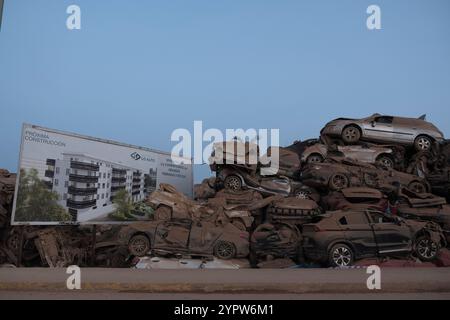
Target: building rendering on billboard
69, 178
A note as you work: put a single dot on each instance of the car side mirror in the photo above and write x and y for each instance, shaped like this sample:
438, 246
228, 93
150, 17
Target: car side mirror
373, 123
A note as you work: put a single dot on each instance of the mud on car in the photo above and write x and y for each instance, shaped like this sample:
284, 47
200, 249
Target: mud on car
337, 174
384, 155
341, 237
275, 240
184, 237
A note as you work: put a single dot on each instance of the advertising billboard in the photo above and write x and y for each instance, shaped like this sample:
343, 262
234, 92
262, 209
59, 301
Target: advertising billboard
66, 178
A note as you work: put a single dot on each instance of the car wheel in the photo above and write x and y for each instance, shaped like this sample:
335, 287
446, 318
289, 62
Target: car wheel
338, 181
139, 245
426, 249
351, 134
341, 255
314, 158
224, 250
422, 143
303, 194
233, 182
163, 213
13, 242
385, 161
417, 187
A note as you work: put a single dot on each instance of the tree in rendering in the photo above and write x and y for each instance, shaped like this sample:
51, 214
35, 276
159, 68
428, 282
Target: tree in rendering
35, 202
123, 206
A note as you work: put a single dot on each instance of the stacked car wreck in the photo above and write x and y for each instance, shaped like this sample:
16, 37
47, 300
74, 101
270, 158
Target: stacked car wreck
375, 187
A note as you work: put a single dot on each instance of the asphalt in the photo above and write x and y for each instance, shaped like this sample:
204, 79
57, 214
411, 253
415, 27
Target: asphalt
243, 281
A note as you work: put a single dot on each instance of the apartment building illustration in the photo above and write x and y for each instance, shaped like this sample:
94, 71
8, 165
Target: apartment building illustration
87, 185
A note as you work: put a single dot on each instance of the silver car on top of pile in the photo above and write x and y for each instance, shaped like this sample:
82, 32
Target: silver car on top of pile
386, 129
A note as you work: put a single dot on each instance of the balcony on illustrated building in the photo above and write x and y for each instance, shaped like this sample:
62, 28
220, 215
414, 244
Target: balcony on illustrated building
48, 184
118, 179
119, 171
82, 191
84, 166
49, 173
83, 178
81, 204
135, 192
117, 188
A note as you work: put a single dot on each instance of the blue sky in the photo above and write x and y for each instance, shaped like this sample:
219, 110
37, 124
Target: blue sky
138, 70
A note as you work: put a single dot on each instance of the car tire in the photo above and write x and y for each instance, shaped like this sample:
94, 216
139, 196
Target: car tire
423, 143
233, 182
314, 158
13, 242
163, 213
417, 187
351, 134
338, 181
139, 245
341, 255
385, 161
426, 249
224, 250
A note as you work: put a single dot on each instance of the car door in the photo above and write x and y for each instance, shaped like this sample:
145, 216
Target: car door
380, 129
358, 231
404, 130
172, 236
391, 235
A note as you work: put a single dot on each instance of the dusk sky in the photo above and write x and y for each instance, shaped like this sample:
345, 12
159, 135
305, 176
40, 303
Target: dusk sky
137, 70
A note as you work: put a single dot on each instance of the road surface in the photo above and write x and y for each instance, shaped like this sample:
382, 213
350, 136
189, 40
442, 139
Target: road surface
97, 283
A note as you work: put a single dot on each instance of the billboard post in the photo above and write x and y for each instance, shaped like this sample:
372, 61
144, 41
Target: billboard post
67, 178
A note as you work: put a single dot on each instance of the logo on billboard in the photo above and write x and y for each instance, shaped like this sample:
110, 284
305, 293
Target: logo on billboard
135, 156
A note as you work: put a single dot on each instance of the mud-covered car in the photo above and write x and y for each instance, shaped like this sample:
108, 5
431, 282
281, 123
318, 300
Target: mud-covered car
275, 240
386, 156
339, 238
352, 198
169, 204
233, 178
385, 129
425, 207
337, 174
184, 237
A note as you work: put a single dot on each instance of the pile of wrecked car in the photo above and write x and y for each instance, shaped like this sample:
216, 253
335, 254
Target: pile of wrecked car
371, 188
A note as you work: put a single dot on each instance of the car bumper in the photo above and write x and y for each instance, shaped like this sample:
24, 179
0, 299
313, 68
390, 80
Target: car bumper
332, 130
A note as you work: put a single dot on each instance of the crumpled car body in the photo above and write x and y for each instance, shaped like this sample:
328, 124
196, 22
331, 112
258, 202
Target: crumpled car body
7, 184
356, 197
233, 178
338, 174
382, 155
338, 238
184, 237
170, 204
275, 240
385, 129
425, 207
